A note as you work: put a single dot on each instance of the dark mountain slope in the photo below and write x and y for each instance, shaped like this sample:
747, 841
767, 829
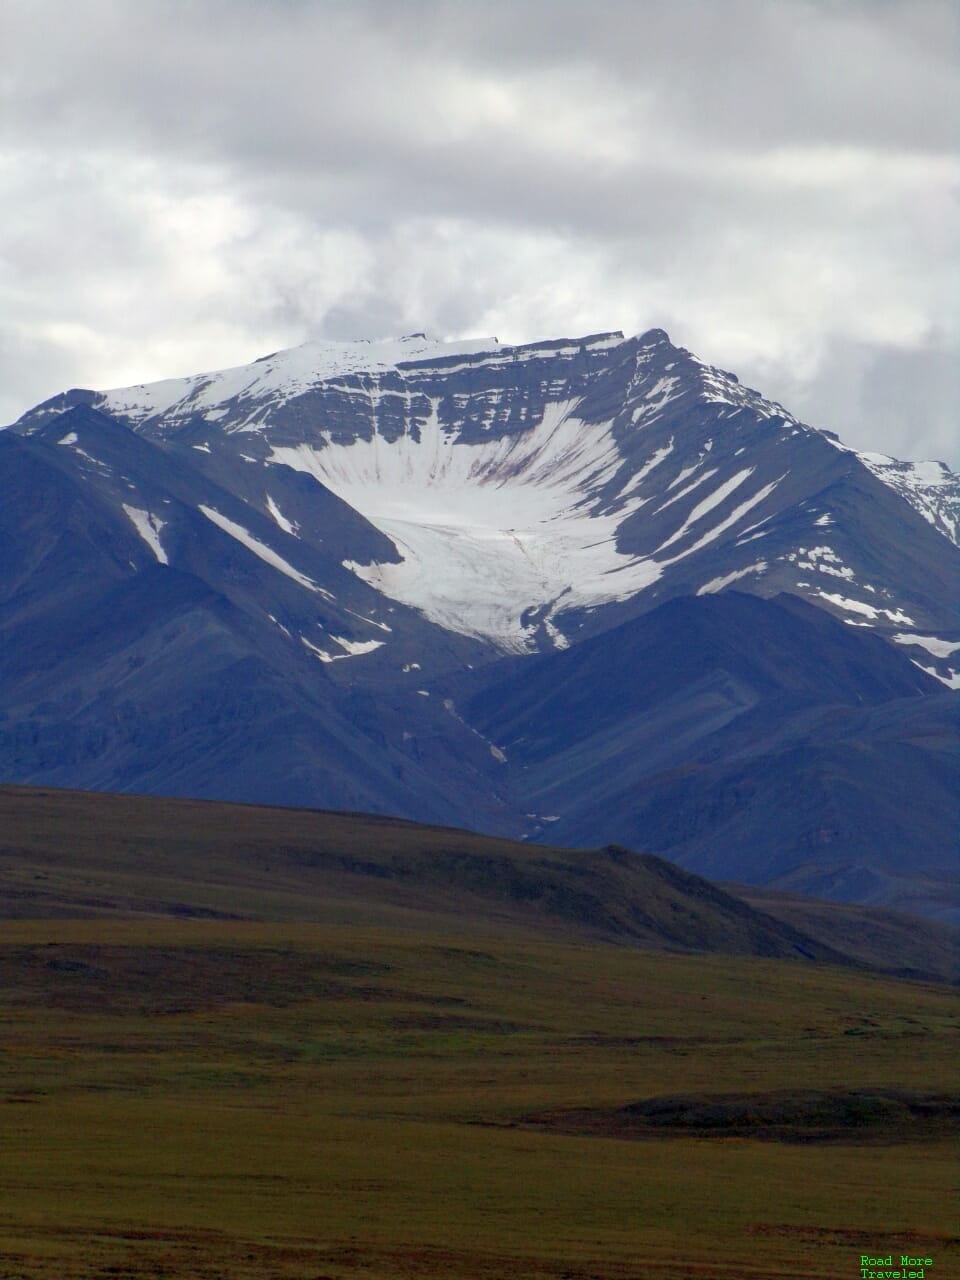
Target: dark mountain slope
741, 737
58, 536
760, 648
812, 819
161, 685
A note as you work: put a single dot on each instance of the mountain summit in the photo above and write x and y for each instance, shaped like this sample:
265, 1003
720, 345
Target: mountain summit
327, 578
525, 488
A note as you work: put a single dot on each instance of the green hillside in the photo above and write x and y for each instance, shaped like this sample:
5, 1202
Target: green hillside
405, 1069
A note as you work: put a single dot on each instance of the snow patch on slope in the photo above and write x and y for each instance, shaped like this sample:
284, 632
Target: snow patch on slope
286, 525
718, 584
868, 610
148, 526
707, 504
352, 648
261, 550
932, 644
687, 488
734, 518
653, 461
355, 647
821, 560
952, 681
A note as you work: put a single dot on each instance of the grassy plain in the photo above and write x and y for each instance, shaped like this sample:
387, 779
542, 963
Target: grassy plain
231, 1099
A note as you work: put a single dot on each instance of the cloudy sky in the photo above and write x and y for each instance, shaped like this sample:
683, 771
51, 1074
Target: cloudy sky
189, 185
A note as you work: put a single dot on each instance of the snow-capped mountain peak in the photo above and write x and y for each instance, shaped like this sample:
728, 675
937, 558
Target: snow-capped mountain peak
528, 495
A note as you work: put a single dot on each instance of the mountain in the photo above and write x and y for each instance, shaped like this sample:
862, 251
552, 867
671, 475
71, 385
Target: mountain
588, 588
525, 490
751, 734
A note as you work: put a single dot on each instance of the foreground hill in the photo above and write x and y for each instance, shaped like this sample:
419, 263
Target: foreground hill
79, 855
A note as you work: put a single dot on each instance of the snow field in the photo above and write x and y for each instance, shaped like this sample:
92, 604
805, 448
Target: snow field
489, 531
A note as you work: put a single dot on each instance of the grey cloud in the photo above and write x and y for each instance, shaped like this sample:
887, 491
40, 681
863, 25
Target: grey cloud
295, 81
891, 399
369, 316
905, 397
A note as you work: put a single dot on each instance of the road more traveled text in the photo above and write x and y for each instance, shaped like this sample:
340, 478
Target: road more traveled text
885, 1269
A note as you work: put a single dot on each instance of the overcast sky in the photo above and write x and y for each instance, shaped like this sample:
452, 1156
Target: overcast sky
187, 186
